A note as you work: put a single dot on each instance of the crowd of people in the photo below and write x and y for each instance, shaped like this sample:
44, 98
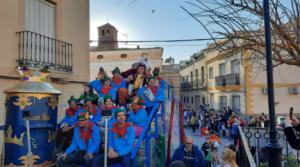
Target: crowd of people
125, 100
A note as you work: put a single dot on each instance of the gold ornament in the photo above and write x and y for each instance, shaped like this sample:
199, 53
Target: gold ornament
22, 102
13, 140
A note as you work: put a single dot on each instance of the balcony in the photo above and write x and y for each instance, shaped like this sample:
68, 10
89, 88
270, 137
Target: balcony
38, 51
233, 79
220, 80
186, 85
196, 84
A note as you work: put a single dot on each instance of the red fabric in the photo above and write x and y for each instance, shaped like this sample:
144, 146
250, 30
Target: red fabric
121, 131
105, 90
70, 112
153, 89
93, 110
137, 109
118, 80
85, 135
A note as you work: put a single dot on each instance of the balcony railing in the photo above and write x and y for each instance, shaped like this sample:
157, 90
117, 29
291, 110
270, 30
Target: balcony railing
196, 84
38, 51
233, 79
220, 80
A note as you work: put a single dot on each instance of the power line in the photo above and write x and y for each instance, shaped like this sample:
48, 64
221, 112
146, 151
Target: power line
158, 41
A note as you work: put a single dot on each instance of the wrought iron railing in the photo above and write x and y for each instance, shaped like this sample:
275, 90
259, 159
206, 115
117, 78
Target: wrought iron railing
257, 138
196, 84
38, 51
220, 80
233, 79
244, 153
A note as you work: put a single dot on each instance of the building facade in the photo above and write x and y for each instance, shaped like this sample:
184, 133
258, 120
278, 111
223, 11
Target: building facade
45, 33
170, 73
108, 55
238, 79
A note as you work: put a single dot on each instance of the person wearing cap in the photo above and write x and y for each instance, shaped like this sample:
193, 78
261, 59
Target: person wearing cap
99, 81
92, 109
189, 153
137, 114
107, 89
85, 143
119, 83
88, 91
65, 126
120, 142
160, 81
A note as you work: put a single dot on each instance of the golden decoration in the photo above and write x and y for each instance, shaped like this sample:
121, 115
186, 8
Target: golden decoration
51, 136
22, 102
52, 102
34, 95
13, 140
36, 76
25, 159
45, 164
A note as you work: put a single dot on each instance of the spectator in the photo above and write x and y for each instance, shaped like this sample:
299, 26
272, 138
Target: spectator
229, 158
189, 154
292, 138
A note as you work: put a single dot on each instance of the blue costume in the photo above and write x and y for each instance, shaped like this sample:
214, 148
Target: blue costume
139, 118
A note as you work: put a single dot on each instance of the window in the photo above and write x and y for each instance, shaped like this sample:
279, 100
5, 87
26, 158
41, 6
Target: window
236, 103
211, 73
223, 102
40, 17
222, 69
103, 32
235, 66
187, 99
202, 74
123, 56
107, 31
192, 100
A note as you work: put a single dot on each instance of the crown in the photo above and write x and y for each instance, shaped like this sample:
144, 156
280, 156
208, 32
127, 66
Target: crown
13, 140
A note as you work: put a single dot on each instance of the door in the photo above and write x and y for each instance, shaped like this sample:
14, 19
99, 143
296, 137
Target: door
223, 102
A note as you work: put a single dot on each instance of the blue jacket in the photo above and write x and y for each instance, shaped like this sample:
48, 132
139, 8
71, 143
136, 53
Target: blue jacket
120, 145
92, 144
121, 85
95, 118
159, 97
139, 119
179, 155
235, 130
69, 120
112, 92
96, 85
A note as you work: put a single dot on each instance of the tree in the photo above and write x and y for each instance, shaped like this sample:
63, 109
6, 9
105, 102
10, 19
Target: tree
170, 60
240, 24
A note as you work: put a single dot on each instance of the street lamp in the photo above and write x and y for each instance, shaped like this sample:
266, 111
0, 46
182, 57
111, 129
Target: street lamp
273, 146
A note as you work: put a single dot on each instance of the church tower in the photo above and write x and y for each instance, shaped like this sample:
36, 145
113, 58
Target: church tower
106, 34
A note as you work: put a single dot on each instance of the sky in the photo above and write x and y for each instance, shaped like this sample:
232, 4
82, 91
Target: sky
149, 20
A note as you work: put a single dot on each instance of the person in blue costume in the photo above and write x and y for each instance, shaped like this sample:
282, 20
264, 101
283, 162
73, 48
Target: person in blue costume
161, 82
120, 142
99, 81
85, 143
108, 109
152, 94
65, 126
88, 91
107, 89
189, 153
119, 83
137, 115
94, 110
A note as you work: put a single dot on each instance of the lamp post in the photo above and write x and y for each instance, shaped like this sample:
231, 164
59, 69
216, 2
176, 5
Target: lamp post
273, 146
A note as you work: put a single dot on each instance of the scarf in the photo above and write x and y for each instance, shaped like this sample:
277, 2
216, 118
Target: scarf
153, 90
70, 112
137, 109
86, 134
118, 80
121, 131
93, 110
105, 90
